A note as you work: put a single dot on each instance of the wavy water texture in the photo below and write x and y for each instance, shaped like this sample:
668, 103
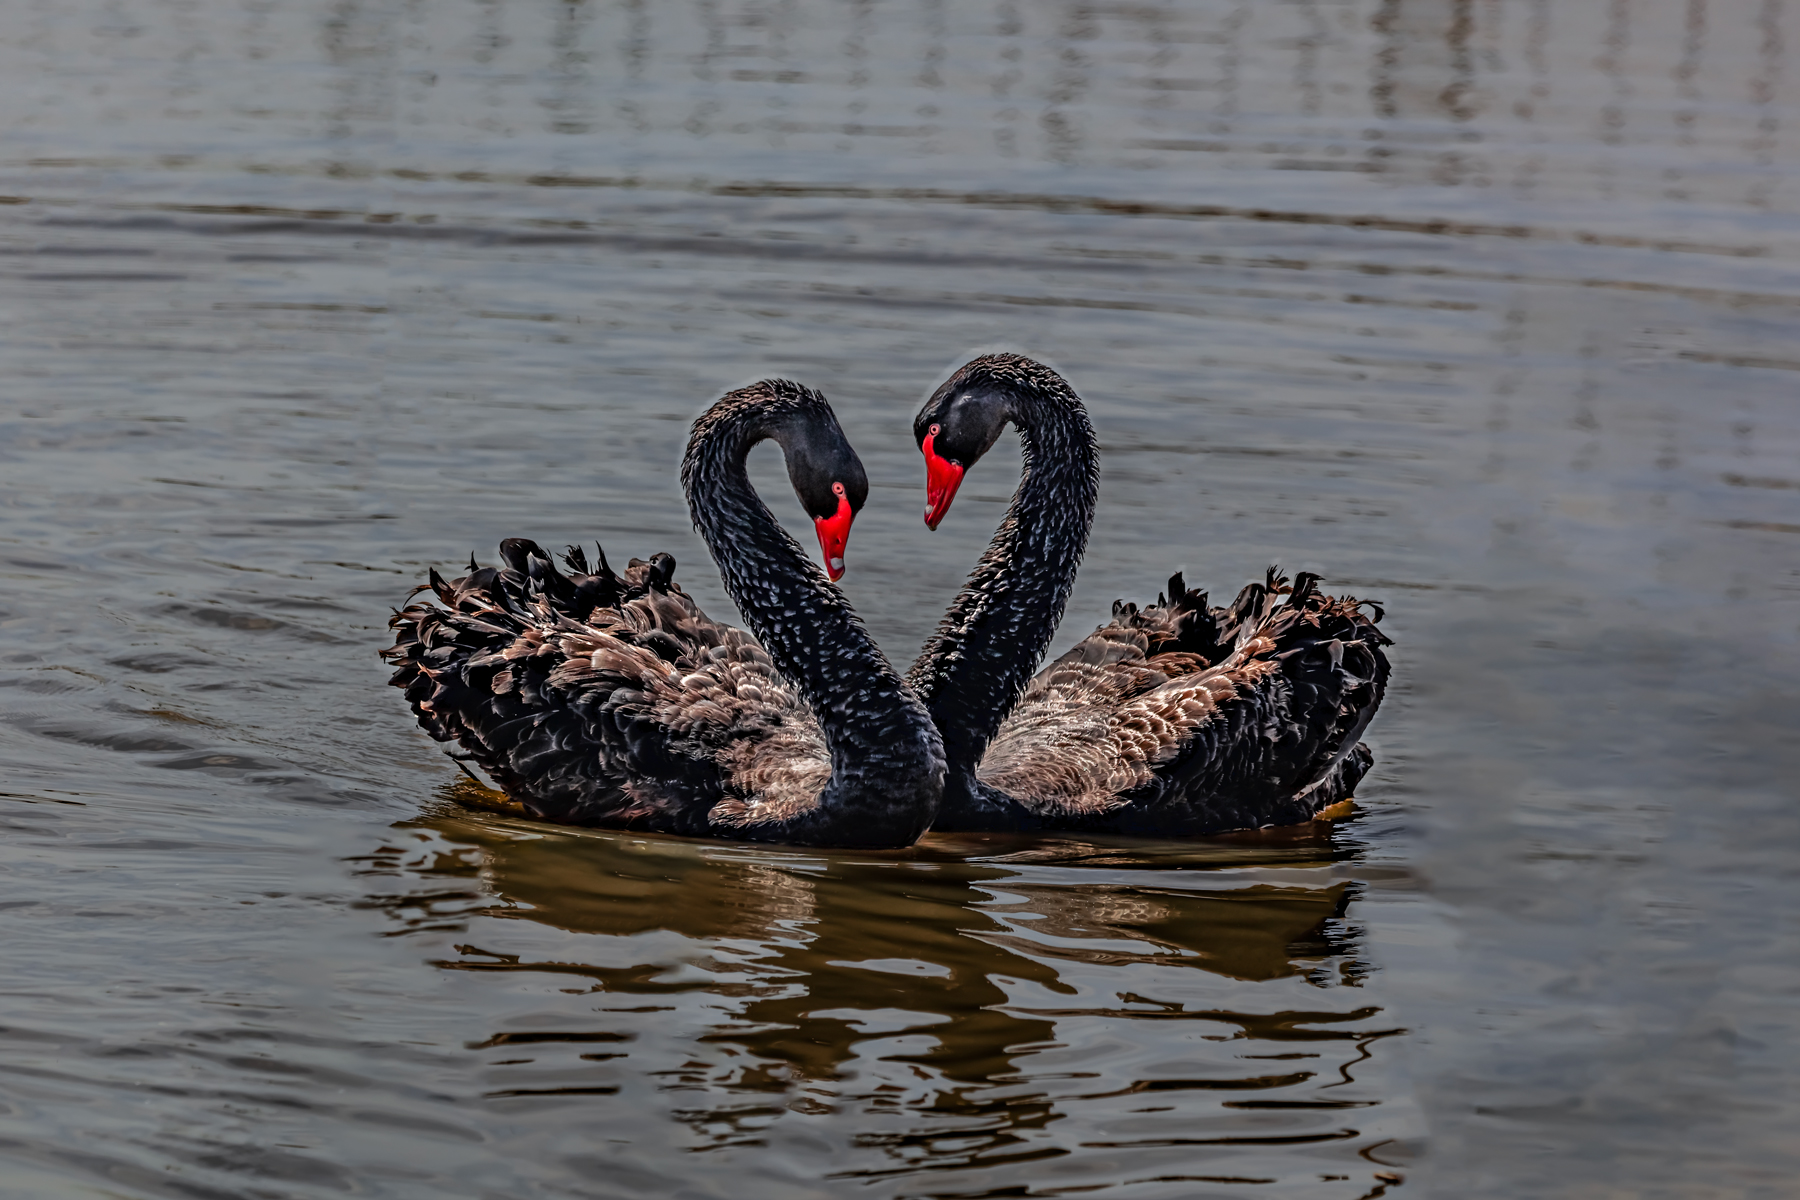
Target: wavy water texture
1482, 309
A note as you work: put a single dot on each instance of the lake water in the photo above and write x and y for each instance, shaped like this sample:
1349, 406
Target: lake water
1483, 308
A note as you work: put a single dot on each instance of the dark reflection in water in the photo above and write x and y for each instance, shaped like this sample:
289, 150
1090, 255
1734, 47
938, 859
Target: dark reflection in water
975, 1004
1482, 308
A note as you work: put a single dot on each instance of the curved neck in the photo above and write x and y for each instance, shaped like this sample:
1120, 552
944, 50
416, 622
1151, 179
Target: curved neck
972, 671
886, 759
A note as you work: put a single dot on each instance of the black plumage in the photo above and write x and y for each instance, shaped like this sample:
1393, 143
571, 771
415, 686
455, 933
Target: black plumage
597, 698
1176, 719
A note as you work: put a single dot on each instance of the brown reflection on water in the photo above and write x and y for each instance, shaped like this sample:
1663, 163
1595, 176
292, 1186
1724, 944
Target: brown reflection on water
968, 1004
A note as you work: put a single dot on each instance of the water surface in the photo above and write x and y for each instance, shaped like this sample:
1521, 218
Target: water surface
1483, 308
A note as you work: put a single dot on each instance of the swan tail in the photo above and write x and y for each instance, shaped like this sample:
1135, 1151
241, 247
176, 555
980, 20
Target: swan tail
1338, 783
1304, 673
1335, 668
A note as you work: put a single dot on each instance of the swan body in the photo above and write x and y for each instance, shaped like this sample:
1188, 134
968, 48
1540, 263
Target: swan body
1176, 719
595, 698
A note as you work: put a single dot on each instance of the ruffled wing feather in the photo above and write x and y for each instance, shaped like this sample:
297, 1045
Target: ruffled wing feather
602, 699
1181, 718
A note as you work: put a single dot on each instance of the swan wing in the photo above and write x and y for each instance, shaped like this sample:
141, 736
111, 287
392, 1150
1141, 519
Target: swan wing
607, 699
1136, 718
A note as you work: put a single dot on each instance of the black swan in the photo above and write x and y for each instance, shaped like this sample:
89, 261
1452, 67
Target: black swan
596, 699
1175, 719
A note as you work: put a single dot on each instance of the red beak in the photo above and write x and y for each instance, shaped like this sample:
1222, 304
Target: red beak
834, 531
942, 478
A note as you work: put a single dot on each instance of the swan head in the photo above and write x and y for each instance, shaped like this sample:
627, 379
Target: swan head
828, 479
827, 475
962, 421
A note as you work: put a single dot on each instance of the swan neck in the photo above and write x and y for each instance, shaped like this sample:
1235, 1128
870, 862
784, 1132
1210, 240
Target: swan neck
973, 670
886, 758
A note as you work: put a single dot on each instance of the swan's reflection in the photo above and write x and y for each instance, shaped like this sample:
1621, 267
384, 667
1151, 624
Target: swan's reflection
960, 998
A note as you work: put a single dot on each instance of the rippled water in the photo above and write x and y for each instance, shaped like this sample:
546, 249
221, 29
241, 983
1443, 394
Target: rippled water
1484, 308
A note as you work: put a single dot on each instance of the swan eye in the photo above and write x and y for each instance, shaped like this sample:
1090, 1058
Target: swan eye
838, 488
935, 429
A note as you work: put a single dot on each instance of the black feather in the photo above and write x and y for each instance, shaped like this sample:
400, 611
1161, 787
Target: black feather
597, 699
1176, 718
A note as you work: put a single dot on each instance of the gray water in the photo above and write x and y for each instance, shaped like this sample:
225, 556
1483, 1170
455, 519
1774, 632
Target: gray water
1482, 308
